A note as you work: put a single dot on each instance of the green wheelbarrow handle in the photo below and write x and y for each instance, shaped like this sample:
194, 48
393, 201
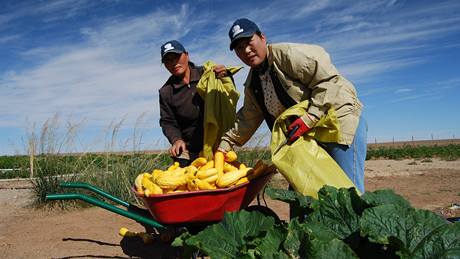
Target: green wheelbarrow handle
76, 196
95, 190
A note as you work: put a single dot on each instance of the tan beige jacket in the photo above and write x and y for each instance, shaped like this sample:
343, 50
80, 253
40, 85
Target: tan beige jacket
306, 73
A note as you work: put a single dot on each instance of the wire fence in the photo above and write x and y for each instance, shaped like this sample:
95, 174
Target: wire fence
415, 141
8, 170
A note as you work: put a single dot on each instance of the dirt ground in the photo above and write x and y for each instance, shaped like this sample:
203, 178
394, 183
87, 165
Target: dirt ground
93, 232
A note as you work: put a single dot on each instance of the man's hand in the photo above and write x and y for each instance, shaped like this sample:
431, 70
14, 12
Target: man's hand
302, 128
220, 70
177, 148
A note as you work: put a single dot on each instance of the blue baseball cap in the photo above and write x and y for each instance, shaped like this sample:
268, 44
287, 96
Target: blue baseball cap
172, 46
242, 28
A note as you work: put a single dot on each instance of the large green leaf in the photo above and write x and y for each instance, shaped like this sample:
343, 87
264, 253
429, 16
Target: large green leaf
319, 231
291, 197
335, 210
400, 227
309, 240
296, 239
270, 245
237, 236
333, 249
443, 242
381, 197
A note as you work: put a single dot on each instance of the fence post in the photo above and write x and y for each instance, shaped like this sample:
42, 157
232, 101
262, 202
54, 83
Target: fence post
31, 156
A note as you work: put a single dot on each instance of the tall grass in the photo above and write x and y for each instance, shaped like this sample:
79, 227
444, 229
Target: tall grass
56, 161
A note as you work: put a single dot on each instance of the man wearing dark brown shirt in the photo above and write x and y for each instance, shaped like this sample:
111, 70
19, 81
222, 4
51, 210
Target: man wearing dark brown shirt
181, 107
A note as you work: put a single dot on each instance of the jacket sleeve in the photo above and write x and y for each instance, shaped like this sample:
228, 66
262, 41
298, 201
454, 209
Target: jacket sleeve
313, 67
168, 121
248, 119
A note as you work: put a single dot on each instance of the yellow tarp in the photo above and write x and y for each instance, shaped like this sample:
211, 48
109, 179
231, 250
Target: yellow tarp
306, 165
220, 98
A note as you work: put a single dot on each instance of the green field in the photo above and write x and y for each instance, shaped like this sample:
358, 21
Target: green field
116, 172
77, 163
444, 152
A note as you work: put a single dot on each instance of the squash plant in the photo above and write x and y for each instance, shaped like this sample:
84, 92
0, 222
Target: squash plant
339, 224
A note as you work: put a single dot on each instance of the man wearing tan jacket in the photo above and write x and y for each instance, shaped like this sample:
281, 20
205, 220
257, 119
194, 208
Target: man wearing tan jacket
285, 74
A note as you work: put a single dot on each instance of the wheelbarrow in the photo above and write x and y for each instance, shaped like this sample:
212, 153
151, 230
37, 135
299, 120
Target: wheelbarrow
184, 209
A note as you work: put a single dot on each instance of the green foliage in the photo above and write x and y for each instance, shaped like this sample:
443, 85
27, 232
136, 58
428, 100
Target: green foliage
239, 237
19, 164
250, 157
447, 152
339, 224
14, 161
336, 208
404, 229
253, 235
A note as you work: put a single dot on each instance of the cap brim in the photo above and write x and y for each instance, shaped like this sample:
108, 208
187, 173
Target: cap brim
239, 36
177, 51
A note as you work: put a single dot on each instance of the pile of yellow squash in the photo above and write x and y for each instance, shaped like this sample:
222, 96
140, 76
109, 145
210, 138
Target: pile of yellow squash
222, 172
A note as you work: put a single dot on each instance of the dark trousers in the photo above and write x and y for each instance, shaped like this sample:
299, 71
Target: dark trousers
183, 162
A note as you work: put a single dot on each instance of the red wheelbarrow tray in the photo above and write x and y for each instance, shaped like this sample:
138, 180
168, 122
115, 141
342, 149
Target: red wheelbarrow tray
203, 206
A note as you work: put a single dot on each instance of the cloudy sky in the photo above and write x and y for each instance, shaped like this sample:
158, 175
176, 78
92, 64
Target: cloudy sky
95, 65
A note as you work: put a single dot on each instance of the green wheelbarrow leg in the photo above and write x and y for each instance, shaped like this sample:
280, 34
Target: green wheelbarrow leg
127, 213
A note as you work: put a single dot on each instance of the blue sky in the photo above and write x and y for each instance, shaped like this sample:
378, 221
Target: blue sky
94, 66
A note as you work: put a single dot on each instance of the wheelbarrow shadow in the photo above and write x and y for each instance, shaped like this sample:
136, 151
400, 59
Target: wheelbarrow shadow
135, 247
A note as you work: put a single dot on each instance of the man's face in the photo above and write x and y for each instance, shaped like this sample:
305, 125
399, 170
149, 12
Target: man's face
252, 51
176, 63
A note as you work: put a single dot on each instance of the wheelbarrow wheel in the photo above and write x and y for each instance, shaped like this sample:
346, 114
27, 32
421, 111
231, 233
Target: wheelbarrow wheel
264, 210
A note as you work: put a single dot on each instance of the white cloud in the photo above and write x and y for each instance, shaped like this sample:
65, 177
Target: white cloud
367, 70
449, 84
9, 38
409, 98
403, 90
47, 11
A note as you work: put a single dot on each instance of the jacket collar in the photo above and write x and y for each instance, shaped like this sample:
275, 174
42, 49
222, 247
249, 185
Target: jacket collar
269, 55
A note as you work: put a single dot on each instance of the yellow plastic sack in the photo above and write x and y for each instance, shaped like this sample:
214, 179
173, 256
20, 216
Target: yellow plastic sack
220, 98
306, 165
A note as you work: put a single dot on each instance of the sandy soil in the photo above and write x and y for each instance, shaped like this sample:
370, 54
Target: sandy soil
93, 232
